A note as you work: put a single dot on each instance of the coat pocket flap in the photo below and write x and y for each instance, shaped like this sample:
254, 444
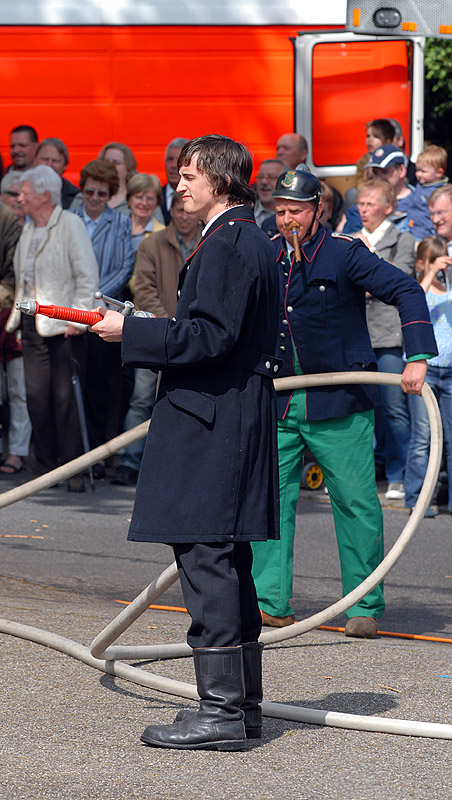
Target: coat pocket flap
199, 404
361, 358
326, 277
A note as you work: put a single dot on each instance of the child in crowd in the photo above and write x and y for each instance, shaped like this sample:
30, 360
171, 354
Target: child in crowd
431, 165
433, 266
378, 133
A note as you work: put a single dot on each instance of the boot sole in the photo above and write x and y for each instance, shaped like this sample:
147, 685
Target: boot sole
222, 746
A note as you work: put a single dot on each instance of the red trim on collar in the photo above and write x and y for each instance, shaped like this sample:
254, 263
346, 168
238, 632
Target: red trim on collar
236, 219
416, 322
310, 260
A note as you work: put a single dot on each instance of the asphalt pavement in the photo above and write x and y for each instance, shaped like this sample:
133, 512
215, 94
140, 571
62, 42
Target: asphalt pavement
70, 731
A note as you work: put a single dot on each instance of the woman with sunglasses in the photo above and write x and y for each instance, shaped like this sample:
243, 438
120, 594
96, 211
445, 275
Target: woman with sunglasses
111, 237
10, 191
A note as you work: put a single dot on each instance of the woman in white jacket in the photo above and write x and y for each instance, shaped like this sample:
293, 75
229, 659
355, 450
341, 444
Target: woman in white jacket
54, 263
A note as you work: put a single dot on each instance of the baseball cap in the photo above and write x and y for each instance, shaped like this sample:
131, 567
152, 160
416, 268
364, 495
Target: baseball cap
386, 156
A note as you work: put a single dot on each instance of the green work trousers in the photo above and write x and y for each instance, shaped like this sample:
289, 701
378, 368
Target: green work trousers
343, 447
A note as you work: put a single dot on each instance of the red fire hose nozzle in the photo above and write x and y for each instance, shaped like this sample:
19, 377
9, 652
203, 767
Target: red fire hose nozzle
60, 312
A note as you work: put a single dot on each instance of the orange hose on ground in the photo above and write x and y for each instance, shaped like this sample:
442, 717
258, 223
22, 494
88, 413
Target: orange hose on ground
159, 608
392, 633
323, 627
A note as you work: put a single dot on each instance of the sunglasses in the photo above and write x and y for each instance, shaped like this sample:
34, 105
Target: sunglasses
100, 193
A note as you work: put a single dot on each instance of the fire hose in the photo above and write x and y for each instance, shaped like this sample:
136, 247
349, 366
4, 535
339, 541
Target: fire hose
32, 307
105, 657
80, 315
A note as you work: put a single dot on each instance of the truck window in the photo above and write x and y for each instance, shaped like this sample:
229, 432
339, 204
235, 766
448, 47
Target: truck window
352, 83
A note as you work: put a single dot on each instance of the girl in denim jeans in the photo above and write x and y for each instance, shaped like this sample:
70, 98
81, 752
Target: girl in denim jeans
434, 268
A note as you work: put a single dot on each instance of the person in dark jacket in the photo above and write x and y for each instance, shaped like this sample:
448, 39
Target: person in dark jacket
111, 237
208, 483
172, 153
323, 329
12, 377
55, 154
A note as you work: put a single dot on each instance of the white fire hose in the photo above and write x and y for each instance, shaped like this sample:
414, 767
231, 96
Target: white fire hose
103, 655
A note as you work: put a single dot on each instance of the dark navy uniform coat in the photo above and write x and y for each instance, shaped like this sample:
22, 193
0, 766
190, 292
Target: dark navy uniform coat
209, 470
323, 313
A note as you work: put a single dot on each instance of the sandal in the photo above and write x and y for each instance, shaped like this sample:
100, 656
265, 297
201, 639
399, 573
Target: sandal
8, 468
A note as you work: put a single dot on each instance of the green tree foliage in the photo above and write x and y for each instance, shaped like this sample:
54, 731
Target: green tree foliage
438, 92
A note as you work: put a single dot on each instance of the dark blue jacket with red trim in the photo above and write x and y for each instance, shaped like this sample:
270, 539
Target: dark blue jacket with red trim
210, 466
323, 315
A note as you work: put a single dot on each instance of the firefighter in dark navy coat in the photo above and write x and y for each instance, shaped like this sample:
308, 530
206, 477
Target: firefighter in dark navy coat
208, 483
323, 329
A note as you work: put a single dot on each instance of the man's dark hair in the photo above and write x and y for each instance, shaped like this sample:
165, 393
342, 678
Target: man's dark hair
26, 129
227, 165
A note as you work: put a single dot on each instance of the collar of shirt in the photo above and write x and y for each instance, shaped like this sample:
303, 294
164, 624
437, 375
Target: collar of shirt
374, 237
149, 228
186, 249
261, 213
169, 191
219, 215
91, 224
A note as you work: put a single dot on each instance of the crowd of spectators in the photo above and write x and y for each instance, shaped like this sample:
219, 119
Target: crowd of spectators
122, 232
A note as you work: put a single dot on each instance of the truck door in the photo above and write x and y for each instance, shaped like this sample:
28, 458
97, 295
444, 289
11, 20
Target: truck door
344, 80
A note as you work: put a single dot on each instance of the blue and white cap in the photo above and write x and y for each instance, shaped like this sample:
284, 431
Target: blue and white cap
386, 156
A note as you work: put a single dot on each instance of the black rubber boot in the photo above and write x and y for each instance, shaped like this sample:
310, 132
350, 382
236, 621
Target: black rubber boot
252, 670
218, 723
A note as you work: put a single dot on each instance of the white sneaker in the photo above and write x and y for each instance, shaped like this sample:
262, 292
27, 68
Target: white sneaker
396, 491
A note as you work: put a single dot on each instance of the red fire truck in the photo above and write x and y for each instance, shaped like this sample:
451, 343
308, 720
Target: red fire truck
144, 72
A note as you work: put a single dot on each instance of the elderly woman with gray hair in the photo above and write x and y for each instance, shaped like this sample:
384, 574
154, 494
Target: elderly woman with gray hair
54, 263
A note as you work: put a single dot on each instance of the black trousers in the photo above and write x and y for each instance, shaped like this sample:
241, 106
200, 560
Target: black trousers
219, 593
50, 396
102, 389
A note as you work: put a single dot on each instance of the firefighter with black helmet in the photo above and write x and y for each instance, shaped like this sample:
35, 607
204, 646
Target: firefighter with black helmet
323, 281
